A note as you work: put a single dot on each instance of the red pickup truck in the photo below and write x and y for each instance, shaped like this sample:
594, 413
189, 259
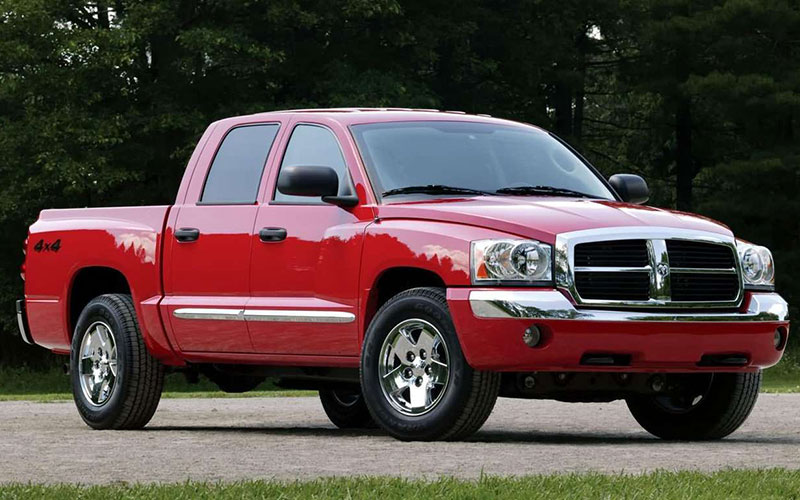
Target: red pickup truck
412, 266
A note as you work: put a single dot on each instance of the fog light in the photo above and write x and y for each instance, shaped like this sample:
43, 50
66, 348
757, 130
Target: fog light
779, 338
532, 336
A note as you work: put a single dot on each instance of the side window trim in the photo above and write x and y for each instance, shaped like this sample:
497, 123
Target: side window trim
312, 201
272, 145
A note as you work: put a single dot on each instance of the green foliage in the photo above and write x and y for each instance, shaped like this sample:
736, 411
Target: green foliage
773, 483
101, 102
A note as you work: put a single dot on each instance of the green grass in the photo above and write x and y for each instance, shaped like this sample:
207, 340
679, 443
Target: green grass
22, 384
52, 385
773, 483
783, 377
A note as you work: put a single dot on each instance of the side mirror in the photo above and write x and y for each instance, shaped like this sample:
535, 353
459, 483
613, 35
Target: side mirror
301, 180
631, 188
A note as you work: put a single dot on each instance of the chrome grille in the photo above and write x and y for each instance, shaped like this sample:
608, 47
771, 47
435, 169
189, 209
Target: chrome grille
699, 287
648, 267
612, 253
614, 286
700, 255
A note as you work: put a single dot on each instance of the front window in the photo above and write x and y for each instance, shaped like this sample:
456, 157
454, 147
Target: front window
312, 145
439, 158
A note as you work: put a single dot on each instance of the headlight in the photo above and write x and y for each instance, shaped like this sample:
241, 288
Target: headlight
758, 268
496, 261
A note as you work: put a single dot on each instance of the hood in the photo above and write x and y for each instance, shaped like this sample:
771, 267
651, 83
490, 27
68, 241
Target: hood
543, 218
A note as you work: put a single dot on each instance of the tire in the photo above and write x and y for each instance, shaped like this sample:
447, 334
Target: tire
456, 400
346, 408
726, 402
129, 399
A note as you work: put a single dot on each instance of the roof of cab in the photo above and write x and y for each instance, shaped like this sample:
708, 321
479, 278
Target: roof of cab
350, 116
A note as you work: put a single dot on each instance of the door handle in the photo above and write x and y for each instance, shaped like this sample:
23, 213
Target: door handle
272, 234
187, 234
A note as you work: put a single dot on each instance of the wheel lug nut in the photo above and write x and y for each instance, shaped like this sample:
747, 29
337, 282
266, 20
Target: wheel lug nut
418, 382
428, 370
422, 354
408, 373
410, 356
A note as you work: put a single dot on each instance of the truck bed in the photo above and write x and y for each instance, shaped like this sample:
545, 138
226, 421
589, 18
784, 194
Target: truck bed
64, 241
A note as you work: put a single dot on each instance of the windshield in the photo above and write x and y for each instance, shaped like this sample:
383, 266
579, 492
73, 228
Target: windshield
479, 157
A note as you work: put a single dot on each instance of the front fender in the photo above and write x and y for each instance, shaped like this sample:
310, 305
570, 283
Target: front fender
439, 247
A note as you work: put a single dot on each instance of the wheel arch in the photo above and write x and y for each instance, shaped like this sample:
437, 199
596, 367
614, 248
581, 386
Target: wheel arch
394, 280
90, 282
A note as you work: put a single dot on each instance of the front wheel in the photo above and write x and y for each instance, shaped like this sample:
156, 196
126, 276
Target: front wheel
709, 406
414, 377
116, 383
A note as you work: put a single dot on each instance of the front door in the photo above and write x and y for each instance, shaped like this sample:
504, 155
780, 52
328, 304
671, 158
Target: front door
305, 261
209, 248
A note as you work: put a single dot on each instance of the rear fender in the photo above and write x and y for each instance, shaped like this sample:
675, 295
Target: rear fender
127, 240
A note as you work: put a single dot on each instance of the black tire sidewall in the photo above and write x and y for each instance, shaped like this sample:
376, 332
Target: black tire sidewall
352, 416
440, 419
100, 309
722, 403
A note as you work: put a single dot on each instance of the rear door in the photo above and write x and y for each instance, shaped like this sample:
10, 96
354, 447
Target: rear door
207, 274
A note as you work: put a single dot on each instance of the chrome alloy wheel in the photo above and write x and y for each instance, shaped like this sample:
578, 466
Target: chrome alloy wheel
413, 367
97, 364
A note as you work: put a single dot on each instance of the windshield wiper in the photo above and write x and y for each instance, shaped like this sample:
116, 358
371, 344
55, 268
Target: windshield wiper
435, 189
543, 191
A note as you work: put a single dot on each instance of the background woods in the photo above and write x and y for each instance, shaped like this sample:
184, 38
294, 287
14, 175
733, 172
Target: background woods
101, 102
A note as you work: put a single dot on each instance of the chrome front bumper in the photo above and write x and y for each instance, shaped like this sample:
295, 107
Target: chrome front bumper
553, 305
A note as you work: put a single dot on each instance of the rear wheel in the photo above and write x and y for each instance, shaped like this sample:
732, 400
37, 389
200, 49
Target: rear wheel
414, 377
708, 406
116, 383
346, 408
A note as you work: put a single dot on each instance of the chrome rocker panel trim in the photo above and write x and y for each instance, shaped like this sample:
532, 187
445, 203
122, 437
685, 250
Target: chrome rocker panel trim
282, 315
298, 316
208, 313
553, 305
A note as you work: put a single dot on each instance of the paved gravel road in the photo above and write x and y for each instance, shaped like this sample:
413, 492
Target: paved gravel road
290, 438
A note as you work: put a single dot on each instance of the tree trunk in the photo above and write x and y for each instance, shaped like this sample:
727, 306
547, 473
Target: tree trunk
563, 109
577, 121
102, 15
582, 45
685, 170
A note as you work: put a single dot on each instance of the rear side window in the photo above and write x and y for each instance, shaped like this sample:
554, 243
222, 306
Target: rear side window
235, 173
312, 145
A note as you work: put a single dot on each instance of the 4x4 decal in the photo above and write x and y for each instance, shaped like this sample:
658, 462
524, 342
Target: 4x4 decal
42, 246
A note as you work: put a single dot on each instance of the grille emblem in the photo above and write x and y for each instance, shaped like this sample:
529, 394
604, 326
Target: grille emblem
662, 269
